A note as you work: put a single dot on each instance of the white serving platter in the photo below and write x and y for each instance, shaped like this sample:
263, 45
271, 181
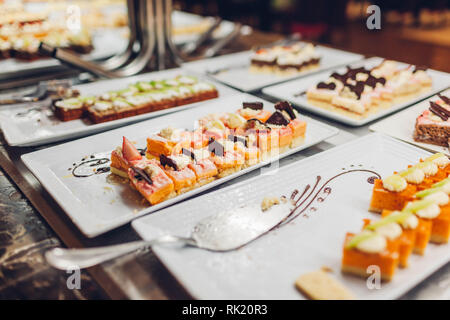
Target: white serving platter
99, 203
268, 267
22, 125
291, 91
401, 125
235, 72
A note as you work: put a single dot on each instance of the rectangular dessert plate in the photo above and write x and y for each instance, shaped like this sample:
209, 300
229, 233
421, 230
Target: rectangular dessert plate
100, 202
233, 69
292, 90
268, 267
402, 124
25, 125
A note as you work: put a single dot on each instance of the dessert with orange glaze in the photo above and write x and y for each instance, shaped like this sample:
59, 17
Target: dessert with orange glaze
226, 159
367, 249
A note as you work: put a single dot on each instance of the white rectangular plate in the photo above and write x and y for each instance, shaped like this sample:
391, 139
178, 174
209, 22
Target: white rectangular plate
290, 90
236, 72
41, 127
402, 124
268, 267
97, 204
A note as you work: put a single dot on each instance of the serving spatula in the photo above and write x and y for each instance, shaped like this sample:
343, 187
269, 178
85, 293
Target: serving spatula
224, 231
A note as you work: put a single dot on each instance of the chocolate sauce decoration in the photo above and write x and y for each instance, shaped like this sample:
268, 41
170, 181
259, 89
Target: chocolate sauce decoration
287, 107
87, 168
278, 119
253, 105
166, 161
140, 174
441, 112
252, 124
216, 148
329, 86
444, 98
235, 139
188, 153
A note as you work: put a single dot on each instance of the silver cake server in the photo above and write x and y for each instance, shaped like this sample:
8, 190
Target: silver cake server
225, 231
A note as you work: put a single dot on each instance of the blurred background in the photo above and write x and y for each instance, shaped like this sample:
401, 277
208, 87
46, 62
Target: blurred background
415, 31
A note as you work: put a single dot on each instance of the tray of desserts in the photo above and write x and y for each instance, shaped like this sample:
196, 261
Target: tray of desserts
425, 124
103, 105
362, 92
106, 180
331, 246
253, 70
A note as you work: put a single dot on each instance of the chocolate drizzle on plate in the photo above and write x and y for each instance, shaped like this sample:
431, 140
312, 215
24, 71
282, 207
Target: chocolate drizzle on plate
439, 111
87, 168
278, 119
140, 174
287, 107
419, 68
166, 161
253, 105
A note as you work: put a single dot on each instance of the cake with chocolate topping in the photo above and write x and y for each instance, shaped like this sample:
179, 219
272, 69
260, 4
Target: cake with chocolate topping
433, 125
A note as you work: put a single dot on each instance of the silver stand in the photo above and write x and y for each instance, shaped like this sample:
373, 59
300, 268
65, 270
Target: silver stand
150, 45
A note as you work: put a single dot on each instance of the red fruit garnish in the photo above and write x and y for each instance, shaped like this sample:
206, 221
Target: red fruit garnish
129, 151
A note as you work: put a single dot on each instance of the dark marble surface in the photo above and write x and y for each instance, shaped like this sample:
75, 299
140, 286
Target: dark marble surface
24, 237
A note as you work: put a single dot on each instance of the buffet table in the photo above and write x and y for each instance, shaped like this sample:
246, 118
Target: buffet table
140, 275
